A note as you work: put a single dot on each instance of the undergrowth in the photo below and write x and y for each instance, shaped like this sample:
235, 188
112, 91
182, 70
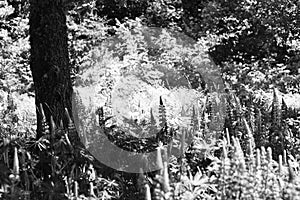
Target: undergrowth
255, 155
235, 164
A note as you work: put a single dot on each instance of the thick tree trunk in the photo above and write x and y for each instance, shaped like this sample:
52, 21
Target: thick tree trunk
51, 76
49, 59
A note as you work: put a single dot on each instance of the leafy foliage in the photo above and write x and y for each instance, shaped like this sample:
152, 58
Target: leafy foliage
256, 156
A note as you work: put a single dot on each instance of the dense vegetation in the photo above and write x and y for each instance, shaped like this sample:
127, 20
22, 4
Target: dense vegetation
252, 154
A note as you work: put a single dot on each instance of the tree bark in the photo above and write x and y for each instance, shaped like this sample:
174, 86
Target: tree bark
50, 60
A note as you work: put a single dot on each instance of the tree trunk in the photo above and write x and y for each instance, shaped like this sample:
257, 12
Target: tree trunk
50, 69
49, 60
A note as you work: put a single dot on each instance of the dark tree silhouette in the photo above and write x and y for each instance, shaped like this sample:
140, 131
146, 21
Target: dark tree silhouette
51, 72
49, 59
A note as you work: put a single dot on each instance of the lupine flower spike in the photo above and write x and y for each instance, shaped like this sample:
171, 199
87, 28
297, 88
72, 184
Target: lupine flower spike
284, 157
280, 167
227, 136
16, 164
225, 153
76, 188
291, 172
166, 181
147, 192
159, 161
269, 154
92, 193
258, 160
